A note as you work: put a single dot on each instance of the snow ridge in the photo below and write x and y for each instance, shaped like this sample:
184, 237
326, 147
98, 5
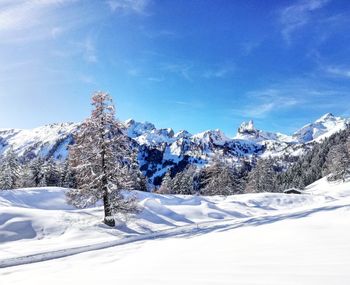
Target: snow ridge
161, 149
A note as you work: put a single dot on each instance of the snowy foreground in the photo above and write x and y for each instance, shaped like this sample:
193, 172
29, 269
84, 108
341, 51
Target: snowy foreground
243, 239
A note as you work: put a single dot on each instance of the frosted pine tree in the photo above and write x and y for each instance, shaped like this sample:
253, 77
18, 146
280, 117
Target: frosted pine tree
262, 178
101, 159
25, 178
67, 175
220, 179
36, 170
51, 175
165, 187
183, 182
137, 180
338, 162
10, 170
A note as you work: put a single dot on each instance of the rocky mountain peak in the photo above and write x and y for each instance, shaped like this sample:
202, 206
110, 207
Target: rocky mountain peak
247, 127
327, 117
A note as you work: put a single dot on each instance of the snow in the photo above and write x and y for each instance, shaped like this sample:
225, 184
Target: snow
39, 141
266, 238
211, 136
161, 149
322, 128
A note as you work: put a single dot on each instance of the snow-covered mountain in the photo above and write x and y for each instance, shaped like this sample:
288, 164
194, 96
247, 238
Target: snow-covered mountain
46, 141
324, 127
162, 149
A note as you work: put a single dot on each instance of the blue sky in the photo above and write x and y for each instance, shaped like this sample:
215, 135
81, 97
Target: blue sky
185, 64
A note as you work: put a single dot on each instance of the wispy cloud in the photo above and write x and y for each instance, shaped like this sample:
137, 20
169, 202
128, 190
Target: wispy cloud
158, 33
26, 19
338, 71
191, 71
181, 69
88, 79
187, 104
267, 101
291, 95
56, 32
220, 72
129, 6
86, 49
249, 46
298, 15
155, 79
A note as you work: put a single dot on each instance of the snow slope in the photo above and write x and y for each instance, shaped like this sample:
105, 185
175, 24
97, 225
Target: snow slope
322, 128
37, 217
244, 239
46, 141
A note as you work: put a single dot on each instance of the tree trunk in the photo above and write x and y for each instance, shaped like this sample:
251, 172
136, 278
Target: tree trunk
108, 220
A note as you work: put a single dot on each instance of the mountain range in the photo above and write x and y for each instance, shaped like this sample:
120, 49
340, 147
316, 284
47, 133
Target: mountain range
162, 149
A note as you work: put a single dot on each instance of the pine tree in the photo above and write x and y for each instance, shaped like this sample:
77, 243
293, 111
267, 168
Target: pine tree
25, 177
262, 178
51, 175
137, 180
338, 162
67, 176
165, 187
184, 181
101, 158
10, 170
36, 170
220, 179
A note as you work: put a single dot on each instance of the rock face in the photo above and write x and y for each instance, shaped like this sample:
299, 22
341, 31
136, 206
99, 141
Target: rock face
247, 128
162, 149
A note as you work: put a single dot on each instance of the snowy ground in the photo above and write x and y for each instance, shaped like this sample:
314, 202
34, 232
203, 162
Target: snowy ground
243, 239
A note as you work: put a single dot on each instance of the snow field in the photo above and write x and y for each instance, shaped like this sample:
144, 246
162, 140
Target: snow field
243, 239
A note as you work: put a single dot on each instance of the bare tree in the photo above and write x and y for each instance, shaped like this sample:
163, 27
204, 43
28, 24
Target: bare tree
102, 159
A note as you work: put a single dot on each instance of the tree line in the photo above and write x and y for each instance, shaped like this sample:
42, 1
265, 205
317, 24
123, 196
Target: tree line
38, 172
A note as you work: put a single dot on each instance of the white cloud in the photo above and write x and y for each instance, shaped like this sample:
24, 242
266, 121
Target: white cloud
87, 79
338, 71
56, 32
155, 79
181, 69
296, 16
30, 20
294, 94
134, 71
221, 72
88, 50
267, 101
249, 46
134, 6
20, 15
85, 49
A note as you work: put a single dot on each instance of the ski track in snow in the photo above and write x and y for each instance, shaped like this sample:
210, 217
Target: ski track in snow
261, 233
198, 228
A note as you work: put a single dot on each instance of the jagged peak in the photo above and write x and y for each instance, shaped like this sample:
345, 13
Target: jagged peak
216, 136
129, 122
327, 117
247, 127
183, 134
323, 127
